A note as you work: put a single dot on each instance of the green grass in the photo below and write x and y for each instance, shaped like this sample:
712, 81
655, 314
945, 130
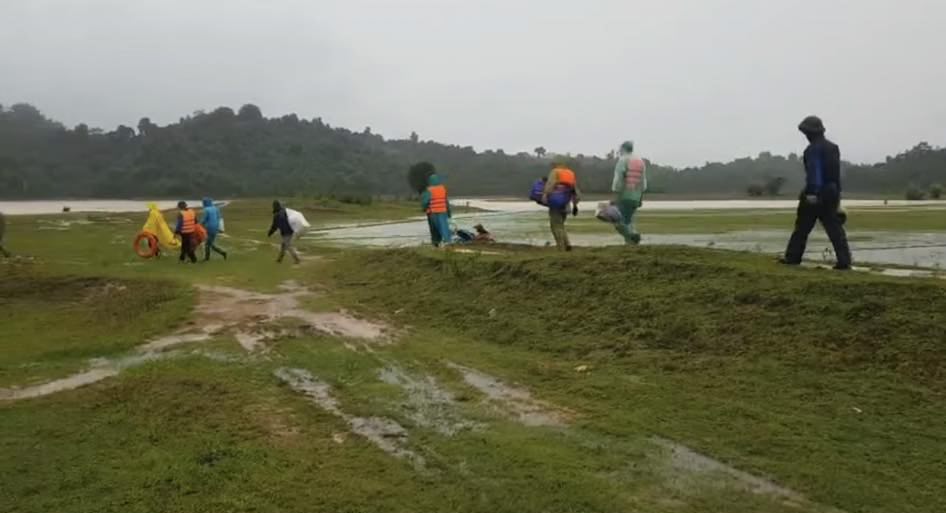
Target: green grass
52, 325
831, 384
752, 364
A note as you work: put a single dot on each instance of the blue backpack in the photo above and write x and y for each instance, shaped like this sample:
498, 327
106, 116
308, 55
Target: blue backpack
538, 188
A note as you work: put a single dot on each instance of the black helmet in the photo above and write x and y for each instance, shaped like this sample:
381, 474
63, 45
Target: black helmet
627, 146
182, 204
811, 125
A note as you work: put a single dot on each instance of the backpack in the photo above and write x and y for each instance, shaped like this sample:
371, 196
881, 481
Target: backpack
538, 189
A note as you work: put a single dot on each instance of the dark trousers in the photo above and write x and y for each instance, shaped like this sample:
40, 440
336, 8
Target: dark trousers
826, 211
187, 247
211, 244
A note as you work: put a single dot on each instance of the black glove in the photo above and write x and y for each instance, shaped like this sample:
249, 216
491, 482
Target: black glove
575, 210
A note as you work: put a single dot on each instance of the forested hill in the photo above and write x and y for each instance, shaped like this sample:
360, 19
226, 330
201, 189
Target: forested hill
230, 154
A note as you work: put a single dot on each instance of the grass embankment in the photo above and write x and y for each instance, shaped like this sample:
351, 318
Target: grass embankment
830, 382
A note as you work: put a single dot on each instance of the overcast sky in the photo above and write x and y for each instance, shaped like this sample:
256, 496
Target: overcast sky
690, 81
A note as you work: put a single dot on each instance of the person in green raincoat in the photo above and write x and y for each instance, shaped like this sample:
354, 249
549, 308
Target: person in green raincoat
436, 204
629, 185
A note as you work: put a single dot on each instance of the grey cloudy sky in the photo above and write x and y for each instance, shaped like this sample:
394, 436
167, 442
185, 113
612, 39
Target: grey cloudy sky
691, 81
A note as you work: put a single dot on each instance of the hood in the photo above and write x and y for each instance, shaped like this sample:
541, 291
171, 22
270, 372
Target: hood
208, 202
277, 206
627, 147
434, 180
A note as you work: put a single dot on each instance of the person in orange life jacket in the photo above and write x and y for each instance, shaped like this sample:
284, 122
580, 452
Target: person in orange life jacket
436, 204
629, 186
561, 190
187, 229
821, 198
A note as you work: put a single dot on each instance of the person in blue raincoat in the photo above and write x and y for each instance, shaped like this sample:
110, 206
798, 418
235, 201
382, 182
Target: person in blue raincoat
436, 204
211, 222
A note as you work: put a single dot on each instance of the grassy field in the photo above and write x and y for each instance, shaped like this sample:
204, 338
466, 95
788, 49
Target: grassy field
650, 380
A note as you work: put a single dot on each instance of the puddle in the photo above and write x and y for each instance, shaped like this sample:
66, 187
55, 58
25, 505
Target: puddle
427, 404
101, 369
685, 464
165, 342
386, 434
60, 385
518, 402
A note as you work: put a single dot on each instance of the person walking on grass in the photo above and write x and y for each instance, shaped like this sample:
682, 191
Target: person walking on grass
281, 223
211, 222
436, 204
821, 198
187, 229
629, 186
561, 191
3, 229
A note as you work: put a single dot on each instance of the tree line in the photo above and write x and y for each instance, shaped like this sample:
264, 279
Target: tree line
229, 153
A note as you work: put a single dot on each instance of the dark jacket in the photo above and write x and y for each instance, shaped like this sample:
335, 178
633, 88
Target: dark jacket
822, 166
281, 223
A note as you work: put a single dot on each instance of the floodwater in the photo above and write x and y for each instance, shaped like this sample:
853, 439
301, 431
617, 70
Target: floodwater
526, 223
18, 208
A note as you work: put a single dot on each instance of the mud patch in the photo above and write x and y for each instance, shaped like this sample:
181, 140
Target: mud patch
386, 434
427, 404
243, 312
686, 468
517, 402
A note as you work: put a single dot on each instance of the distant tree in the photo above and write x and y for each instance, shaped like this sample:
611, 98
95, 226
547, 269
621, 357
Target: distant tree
611, 155
24, 112
540, 152
122, 134
81, 130
414, 137
915, 193
773, 187
367, 131
755, 190
936, 191
418, 174
250, 112
146, 127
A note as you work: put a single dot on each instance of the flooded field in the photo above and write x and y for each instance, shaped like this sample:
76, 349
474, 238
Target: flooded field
526, 223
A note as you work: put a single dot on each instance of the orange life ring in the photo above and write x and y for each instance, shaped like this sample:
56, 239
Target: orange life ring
152, 248
200, 234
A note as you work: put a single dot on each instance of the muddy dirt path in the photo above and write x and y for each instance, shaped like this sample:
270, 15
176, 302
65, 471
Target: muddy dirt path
251, 318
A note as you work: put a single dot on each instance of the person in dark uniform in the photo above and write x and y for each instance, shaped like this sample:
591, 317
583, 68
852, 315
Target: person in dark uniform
821, 198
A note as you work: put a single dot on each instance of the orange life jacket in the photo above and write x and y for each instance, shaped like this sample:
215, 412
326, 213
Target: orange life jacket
566, 177
188, 221
438, 199
634, 174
